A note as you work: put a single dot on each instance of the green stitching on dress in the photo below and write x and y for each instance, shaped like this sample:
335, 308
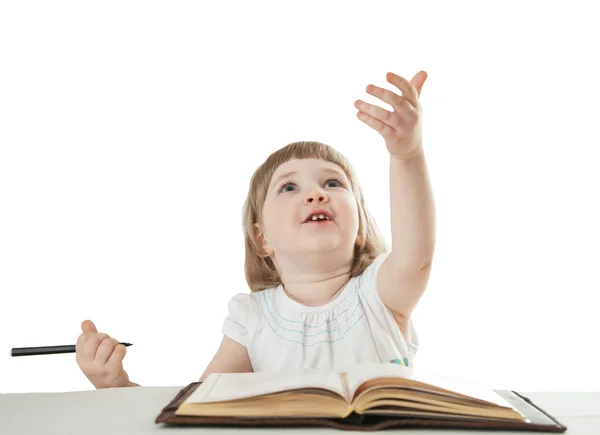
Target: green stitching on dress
354, 293
260, 303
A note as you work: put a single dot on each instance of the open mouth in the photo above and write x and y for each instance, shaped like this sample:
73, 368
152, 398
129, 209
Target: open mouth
319, 216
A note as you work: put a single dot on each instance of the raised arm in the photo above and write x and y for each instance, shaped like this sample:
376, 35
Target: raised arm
405, 273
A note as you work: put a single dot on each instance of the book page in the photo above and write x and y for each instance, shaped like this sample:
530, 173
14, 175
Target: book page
232, 386
411, 377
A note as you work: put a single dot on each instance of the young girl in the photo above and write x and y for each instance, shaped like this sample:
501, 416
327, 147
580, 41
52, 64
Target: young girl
325, 292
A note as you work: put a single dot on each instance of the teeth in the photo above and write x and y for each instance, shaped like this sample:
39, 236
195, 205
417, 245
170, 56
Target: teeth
320, 217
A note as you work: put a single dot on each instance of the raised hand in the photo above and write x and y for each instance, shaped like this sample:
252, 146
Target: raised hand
401, 128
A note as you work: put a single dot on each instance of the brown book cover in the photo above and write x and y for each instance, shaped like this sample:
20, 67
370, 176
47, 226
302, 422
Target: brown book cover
538, 419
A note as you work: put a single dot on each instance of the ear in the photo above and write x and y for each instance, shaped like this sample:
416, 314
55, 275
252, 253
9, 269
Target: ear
261, 241
359, 241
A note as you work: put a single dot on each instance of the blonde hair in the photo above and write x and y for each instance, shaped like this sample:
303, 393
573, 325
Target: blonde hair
259, 269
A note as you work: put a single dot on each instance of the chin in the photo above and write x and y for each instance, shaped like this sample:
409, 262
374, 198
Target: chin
321, 245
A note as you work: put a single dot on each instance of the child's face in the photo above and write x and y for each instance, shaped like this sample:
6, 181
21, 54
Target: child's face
299, 188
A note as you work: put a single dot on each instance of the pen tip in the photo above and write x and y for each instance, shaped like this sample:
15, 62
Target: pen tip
127, 344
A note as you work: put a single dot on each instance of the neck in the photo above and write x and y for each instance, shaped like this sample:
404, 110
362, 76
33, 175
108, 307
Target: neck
318, 286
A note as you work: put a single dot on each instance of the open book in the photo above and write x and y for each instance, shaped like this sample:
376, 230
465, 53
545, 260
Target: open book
365, 397
380, 389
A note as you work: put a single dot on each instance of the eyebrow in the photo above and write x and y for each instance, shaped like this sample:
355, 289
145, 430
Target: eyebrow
289, 174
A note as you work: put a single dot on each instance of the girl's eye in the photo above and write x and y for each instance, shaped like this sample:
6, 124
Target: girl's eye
287, 187
334, 181
290, 187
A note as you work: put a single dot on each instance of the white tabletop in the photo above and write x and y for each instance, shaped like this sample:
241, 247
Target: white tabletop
132, 411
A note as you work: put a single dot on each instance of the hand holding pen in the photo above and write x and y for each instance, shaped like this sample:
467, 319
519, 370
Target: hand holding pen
100, 358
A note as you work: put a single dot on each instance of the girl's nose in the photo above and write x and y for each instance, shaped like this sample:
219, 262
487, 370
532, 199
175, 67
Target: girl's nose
316, 196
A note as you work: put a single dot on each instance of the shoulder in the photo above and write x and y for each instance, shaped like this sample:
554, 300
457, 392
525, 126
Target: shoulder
244, 312
369, 275
377, 307
243, 308
244, 303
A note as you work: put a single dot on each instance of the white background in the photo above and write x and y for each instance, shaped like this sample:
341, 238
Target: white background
129, 132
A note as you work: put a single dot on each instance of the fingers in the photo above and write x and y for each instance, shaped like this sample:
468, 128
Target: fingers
377, 112
88, 329
409, 92
394, 100
116, 358
87, 326
105, 350
91, 345
385, 130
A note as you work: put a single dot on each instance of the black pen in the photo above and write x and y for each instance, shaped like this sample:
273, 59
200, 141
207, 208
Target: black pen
46, 350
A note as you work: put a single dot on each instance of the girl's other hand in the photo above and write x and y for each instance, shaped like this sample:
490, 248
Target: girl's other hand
100, 358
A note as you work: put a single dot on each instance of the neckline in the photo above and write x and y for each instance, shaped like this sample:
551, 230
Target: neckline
297, 306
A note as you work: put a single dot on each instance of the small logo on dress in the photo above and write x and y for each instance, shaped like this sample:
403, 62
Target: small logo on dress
401, 362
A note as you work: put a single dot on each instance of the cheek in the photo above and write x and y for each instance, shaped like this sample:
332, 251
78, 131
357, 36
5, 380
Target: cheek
279, 222
281, 216
351, 214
